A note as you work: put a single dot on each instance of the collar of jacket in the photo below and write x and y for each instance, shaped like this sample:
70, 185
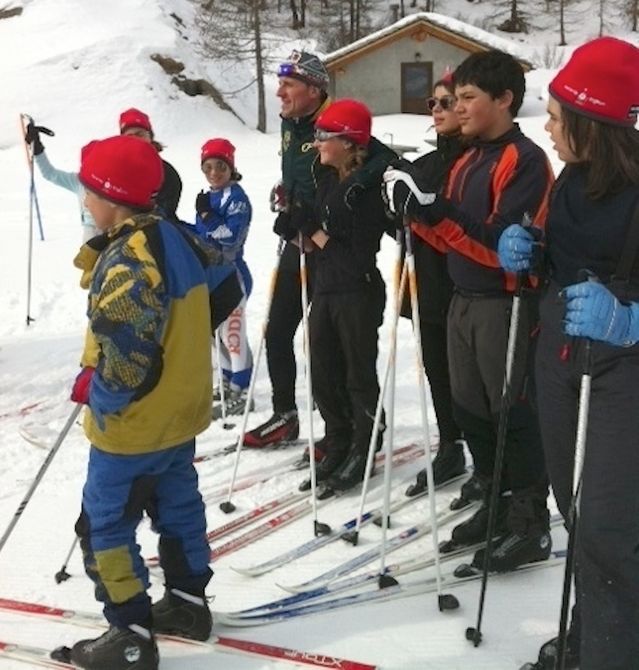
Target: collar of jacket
378, 158
509, 136
449, 145
89, 252
300, 122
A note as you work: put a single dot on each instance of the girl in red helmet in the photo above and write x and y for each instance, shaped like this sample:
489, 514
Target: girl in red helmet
349, 293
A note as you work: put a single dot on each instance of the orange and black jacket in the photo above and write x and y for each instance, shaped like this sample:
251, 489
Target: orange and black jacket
491, 186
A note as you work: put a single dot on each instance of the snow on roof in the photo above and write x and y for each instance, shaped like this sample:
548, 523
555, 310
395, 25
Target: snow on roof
482, 37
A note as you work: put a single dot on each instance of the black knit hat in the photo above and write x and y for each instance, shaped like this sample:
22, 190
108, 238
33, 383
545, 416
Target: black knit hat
305, 66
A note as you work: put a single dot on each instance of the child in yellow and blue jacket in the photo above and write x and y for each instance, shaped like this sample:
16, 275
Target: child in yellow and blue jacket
146, 379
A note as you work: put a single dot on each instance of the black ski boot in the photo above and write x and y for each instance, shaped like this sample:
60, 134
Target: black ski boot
334, 458
183, 614
473, 530
527, 539
548, 655
321, 447
447, 464
351, 473
130, 648
471, 491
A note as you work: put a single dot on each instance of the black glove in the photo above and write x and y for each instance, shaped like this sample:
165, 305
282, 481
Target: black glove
303, 219
33, 137
282, 226
203, 204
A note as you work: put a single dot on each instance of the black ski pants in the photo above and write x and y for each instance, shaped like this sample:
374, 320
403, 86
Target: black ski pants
344, 360
284, 318
477, 344
608, 527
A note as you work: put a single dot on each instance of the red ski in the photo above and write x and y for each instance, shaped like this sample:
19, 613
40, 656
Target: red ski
37, 656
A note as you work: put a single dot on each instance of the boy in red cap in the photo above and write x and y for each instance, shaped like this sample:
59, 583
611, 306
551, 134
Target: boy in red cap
593, 224
223, 220
146, 380
137, 123
501, 177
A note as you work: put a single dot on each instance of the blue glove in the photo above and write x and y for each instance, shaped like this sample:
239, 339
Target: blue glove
515, 248
593, 311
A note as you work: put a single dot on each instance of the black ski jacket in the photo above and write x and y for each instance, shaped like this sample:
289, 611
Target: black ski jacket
352, 214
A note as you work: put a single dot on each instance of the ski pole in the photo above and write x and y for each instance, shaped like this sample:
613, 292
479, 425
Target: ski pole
33, 194
62, 575
385, 580
318, 528
573, 510
220, 376
352, 536
445, 601
43, 468
29, 155
227, 506
474, 634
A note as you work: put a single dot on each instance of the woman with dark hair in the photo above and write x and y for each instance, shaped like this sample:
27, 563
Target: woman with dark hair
593, 225
435, 288
137, 123
349, 293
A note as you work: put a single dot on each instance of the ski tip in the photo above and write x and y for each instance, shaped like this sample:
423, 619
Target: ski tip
350, 536
473, 635
227, 507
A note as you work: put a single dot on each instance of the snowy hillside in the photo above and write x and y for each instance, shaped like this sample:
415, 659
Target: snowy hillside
74, 65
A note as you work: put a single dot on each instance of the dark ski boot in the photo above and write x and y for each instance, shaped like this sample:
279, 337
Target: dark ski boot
183, 614
473, 530
447, 464
527, 539
279, 429
351, 473
333, 460
130, 648
471, 491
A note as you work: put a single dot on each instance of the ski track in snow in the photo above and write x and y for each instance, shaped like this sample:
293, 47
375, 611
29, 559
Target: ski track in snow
80, 70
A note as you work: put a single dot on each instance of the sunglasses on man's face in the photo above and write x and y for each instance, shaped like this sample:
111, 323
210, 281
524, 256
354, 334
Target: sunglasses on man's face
446, 103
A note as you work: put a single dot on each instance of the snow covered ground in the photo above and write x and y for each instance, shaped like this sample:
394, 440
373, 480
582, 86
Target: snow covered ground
74, 65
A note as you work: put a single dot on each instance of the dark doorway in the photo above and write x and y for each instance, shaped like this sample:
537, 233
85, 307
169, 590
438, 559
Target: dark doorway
417, 85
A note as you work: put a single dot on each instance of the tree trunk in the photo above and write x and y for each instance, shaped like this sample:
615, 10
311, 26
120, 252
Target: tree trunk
562, 25
295, 15
259, 68
635, 12
303, 13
